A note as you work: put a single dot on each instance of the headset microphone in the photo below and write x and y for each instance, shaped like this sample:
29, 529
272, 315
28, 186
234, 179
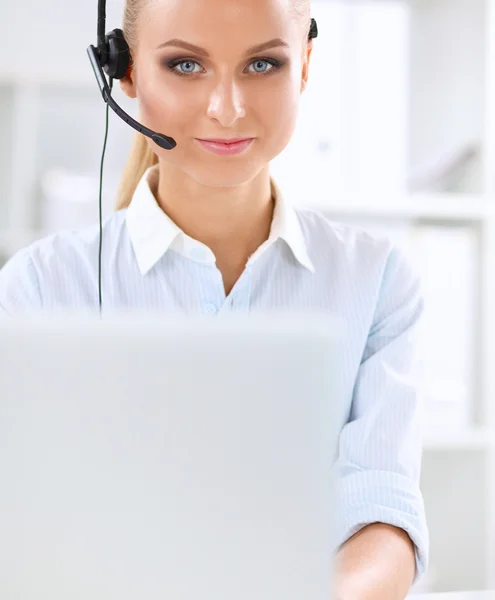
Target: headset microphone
112, 54
163, 141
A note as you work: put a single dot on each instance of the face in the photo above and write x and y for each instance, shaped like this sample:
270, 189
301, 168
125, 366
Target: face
232, 92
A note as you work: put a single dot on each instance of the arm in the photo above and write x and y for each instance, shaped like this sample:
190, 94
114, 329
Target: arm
378, 465
377, 563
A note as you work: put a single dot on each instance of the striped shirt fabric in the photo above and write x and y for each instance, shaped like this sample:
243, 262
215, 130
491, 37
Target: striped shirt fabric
308, 264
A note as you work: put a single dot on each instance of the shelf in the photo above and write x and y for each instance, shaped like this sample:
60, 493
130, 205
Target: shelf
433, 207
438, 207
471, 439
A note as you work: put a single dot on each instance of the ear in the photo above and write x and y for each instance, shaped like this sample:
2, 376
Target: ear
306, 60
127, 83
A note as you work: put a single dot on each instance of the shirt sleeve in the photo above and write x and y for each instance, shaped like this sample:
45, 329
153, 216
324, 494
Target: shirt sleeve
380, 447
19, 284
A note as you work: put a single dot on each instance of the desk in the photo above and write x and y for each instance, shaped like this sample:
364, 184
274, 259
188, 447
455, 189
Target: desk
454, 596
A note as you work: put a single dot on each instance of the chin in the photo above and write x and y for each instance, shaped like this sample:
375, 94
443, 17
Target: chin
225, 176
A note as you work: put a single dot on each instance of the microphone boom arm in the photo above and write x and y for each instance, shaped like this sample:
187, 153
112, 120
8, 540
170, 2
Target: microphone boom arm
161, 140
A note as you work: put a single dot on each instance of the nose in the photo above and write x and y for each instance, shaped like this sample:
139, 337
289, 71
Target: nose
226, 104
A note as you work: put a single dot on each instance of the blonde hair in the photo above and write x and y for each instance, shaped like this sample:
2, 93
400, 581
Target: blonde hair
141, 156
140, 159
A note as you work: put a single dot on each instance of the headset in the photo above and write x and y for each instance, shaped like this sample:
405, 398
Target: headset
112, 55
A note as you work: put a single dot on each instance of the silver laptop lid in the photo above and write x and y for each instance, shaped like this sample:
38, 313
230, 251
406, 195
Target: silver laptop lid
157, 458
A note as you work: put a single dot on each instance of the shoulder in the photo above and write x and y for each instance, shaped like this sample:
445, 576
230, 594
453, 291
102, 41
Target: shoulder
60, 248
362, 262
63, 259
19, 283
351, 245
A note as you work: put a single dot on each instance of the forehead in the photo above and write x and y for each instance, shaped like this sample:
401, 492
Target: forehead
207, 22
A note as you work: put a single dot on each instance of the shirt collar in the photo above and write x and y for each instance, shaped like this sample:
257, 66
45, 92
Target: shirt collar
152, 232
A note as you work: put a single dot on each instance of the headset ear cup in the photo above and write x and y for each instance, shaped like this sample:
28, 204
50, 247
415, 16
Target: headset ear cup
118, 54
313, 31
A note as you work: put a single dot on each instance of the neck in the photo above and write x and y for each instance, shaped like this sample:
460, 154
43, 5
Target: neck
232, 221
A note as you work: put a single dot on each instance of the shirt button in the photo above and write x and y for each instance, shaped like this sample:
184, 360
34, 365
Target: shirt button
209, 309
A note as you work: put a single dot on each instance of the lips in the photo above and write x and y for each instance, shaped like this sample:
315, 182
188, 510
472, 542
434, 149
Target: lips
226, 147
225, 141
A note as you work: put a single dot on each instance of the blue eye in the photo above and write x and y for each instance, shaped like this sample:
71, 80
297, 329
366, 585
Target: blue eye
261, 61
186, 66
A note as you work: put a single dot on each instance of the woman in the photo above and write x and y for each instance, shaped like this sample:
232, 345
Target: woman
200, 230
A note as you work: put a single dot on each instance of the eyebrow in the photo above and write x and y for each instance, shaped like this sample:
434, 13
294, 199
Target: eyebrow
275, 43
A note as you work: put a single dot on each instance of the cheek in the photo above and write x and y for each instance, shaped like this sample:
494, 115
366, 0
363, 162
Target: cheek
278, 112
161, 103
157, 108
163, 111
280, 97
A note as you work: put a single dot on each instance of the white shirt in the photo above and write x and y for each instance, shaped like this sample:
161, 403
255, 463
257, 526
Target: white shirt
308, 264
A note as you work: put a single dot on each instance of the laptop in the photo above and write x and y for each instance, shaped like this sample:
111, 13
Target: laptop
167, 458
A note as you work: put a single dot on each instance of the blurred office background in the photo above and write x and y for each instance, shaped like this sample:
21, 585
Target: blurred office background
396, 133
